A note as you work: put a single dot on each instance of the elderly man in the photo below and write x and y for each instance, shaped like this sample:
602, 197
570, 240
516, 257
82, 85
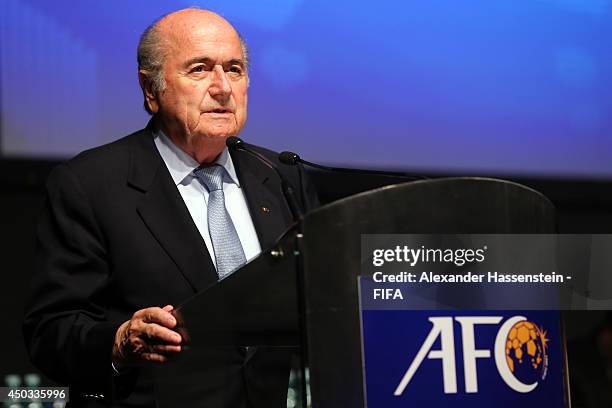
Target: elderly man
134, 227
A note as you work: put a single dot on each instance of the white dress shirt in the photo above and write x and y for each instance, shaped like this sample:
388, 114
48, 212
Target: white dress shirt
195, 195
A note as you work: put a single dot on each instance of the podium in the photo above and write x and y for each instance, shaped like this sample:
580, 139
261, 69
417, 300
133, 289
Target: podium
312, 272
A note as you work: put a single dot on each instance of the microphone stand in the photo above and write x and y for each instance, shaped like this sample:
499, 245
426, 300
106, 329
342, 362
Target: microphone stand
236, 143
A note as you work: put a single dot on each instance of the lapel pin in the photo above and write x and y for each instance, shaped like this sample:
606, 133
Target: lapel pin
265, 209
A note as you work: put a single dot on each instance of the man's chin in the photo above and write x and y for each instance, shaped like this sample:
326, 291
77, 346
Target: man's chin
220, 133
216, 140
209, 147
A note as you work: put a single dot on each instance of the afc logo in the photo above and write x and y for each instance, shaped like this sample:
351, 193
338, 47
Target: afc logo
520, 353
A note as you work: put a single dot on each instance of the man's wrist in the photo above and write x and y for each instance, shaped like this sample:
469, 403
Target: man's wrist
117, 357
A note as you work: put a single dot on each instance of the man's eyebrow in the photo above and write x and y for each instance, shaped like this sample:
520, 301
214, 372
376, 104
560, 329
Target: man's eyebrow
235, 61
207, 60
196, 60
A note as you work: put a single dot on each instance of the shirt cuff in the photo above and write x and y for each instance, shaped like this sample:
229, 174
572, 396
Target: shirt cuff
116, 371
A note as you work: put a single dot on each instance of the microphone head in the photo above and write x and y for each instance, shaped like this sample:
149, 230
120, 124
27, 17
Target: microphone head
289, 158
233, 142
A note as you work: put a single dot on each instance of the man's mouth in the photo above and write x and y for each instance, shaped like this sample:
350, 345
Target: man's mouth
220, 110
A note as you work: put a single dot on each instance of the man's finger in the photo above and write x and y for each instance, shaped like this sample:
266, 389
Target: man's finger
156, 332
154, 357
165, 349
159, 316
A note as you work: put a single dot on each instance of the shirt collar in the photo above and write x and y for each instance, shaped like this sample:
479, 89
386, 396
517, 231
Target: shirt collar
181, 165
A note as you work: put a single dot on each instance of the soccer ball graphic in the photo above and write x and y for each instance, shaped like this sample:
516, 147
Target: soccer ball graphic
526, 351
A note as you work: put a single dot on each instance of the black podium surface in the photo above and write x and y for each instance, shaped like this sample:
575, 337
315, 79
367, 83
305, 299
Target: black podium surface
442, 206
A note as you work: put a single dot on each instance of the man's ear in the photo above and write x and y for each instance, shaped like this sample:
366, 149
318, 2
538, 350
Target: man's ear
149, 93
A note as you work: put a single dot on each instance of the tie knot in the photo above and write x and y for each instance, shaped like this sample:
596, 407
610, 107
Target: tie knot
211, 176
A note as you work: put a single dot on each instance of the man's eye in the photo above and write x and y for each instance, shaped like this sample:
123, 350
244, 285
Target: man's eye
235, 70
198, 68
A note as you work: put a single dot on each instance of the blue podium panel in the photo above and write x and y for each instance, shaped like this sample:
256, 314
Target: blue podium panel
463, 359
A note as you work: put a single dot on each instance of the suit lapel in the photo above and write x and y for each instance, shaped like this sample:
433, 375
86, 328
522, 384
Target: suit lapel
163, 211
262, 190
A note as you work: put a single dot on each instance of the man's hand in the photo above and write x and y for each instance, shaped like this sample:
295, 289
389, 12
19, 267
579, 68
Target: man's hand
147, 336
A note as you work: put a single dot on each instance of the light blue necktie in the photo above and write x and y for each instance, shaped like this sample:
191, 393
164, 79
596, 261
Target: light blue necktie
229, 254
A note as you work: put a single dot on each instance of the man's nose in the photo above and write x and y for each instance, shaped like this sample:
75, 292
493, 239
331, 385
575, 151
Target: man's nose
220, 87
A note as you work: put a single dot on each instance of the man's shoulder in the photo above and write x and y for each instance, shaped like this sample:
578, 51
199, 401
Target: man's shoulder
107, 162
109, 154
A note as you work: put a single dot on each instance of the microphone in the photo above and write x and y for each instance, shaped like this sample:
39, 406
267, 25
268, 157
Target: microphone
293, 159
235, 143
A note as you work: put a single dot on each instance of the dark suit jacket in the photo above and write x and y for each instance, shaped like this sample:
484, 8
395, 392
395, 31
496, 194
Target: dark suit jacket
114, 237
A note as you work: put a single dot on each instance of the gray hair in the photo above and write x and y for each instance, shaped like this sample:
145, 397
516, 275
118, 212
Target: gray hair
151, 57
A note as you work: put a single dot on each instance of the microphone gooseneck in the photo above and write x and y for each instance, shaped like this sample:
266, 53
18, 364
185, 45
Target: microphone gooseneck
292, 159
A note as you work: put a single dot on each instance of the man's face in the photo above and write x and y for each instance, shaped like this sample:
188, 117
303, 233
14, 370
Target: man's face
205, 99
